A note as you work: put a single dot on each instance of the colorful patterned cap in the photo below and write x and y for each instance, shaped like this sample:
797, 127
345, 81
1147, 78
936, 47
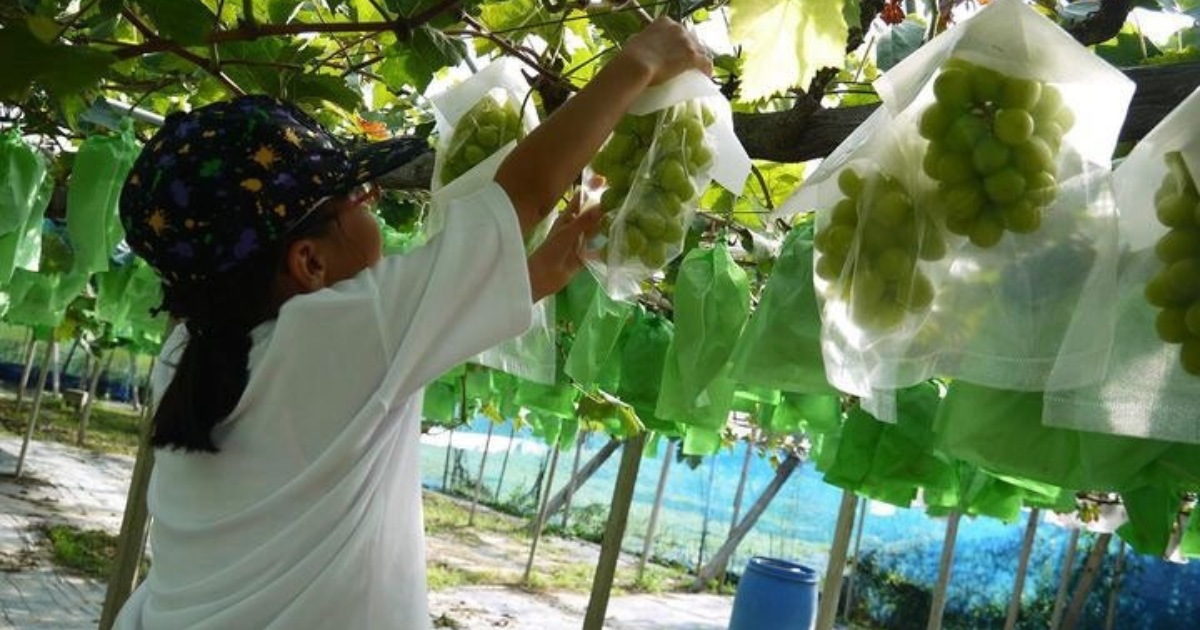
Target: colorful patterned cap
216, 184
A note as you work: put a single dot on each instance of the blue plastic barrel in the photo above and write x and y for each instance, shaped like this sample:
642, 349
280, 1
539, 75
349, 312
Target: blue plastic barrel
775, 594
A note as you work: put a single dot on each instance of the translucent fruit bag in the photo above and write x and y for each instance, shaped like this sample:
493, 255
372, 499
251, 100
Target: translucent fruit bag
97, 176
676, 139
1153, 373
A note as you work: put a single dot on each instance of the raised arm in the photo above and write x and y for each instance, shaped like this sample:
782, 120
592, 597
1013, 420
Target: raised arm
544, 164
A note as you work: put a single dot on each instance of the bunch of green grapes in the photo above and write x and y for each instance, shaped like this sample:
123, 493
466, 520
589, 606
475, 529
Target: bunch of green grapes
651, 164
1176, 287
482, 130
993, 146
870, 248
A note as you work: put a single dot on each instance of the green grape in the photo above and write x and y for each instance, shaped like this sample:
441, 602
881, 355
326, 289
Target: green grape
1171, 325
480, 132
1013, 126
866, 288
699, 157
1048, 103
1021, 217
672, 176
883, 315
1192, 319
917, 293
935, 122
1178, 245
1005, 186
1159, 293
959, 226
1176, 210
845, 212
964, 201
707, 116
1019, 93
1189, 356
829, 268
611, 200
672, 230
652, 224
488, 136
1179, 172
1042, 189
1052, 133
1065, 119
1034, 156
474, 153
1184, 277
930, 162
892, 208
990, 155
985, 84
894, 264
964, 132
839, 239
654, 255
621, 147
953, 88
635, 241
691, 128
850, 182
955, 169
987, 231
933, 245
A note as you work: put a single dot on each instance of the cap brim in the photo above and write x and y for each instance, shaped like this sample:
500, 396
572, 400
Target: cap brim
377, 159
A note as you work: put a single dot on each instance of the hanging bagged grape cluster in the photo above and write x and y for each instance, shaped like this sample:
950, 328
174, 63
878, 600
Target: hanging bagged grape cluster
1176, 288
993, 145
482, 130
653, 162
870, 248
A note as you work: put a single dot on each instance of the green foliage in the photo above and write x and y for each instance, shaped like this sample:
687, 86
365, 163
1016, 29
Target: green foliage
89, 553
785, 42
185, 21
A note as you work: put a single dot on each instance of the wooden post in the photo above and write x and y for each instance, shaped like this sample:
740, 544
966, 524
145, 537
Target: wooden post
1084, 588
85, 414
1014, 602
487, 445
569, 489
614, 532
944, 567
559, 499
1115, 592
512, 435
37, 407
782, 474
831, 590
652, 528
446, 464
737, 500
542, 515
862, 517
132, 542
57, 368
27, 368
1064, 580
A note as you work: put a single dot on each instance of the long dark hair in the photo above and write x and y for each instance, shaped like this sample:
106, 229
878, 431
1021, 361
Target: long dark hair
219, 313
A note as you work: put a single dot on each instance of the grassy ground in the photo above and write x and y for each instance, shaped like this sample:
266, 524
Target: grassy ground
87, 553
113, 428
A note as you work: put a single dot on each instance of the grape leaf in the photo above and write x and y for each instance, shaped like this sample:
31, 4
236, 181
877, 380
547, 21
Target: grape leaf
414, 62
324, 87
785, 42
518, 14
898, 42
185, 21
63, 70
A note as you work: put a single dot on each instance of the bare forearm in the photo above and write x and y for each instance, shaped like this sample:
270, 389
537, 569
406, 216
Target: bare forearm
544, 164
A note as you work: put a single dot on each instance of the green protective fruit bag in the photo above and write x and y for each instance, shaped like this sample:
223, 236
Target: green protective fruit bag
712, 303
781, 345
701, 442
708, 410
642, 360
1152, 512
24, 175
22, 247
1189, 544
440, 402
144, 293
111, 303
40, 299
982, 494
92, 193
1003, 432
857, 442
546, 427
548, 400
595, 342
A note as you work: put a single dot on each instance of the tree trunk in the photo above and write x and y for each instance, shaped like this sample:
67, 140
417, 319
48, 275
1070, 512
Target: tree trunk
542, 515
1114, 595
831, 590
1064, 580
944, 568
85, 414
566, 511
512, 435
862, 517
560, 498
782, 474
1014, 603
132, 542
1084, 588
37, 406
30, 353
614, 533
652, 527
487, 445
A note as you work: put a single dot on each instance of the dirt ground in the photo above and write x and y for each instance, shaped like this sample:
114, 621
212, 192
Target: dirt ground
86, 489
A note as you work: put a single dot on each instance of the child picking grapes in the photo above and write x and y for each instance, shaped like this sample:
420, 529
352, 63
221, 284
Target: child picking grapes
286, 489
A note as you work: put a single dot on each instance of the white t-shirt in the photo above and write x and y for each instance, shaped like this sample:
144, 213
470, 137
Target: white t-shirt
310, 514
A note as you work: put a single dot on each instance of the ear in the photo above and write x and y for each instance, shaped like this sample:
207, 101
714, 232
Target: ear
306, 265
